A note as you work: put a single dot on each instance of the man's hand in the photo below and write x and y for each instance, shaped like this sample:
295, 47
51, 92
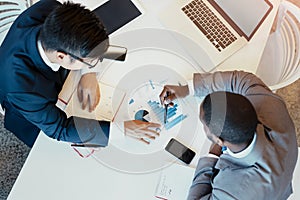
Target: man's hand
88, 91
215, 149
173, 92
141, 130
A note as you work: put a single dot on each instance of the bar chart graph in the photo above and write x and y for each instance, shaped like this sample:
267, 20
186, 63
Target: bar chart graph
173, 118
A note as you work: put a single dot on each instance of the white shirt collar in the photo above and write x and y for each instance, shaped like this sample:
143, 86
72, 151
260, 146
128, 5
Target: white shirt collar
243, 153
55, 67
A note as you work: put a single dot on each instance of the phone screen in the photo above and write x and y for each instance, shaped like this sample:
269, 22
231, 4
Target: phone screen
180, 151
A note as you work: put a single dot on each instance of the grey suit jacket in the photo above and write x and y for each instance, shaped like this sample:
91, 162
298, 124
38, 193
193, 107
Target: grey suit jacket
266, 172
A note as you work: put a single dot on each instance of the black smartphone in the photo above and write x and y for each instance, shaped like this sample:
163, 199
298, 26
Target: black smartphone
180, 151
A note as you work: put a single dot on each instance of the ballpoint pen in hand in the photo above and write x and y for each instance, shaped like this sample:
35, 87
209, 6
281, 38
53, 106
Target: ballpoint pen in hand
166, 108
166, 113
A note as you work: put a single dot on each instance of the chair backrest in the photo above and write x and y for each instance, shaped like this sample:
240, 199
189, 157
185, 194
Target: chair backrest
280, 62
9, 11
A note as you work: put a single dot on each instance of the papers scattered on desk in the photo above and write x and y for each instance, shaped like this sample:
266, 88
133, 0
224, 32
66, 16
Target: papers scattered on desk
174, 182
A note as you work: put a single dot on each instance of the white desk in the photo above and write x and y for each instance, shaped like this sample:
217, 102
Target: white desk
54, 171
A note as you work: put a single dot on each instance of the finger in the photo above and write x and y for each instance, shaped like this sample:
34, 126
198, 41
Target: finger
170, 98
133, 134
146, 131
153, 125
171, 104
145, 141
151, 131
94, 99
79, 94
84, 100
163, 94
91, 103
150, 136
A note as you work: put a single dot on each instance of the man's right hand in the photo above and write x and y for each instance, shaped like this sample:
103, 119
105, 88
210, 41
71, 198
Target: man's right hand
173, 92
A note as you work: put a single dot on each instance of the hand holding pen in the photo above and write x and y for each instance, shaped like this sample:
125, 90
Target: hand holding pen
172, 92
166, 107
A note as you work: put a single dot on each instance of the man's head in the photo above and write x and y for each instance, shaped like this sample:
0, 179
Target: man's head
228, 117
74, 33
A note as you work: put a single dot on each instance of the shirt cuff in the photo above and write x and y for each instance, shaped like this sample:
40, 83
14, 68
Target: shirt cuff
191, 87
95, 69
212, 156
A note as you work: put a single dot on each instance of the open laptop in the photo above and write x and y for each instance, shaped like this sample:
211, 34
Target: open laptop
219, 27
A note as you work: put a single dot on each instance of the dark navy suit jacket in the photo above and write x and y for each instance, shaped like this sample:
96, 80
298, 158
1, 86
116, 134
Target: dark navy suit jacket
29, 88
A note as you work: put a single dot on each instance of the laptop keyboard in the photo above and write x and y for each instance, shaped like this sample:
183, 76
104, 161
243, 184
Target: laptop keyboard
209, 24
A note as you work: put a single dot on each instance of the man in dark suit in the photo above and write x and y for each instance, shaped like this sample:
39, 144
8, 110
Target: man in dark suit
43, 44
252, 124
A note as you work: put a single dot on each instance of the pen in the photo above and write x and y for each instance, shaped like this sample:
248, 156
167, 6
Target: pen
166, 113
166, 108
86, 145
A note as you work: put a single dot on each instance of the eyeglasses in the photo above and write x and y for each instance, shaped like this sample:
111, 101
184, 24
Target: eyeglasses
90, 66
113, 53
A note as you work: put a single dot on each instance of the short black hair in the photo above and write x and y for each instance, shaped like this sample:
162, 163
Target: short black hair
74, 29
230, 116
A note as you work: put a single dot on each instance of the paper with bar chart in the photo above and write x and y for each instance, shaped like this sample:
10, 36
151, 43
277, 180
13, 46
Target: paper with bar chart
144, 105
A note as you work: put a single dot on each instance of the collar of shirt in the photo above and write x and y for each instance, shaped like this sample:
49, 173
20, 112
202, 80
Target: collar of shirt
243, 153
55, 67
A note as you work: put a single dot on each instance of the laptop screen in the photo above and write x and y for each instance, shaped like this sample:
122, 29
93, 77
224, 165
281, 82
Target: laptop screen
246, 14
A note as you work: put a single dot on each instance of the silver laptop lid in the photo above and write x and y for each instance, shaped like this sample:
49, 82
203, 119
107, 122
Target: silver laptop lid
245, 16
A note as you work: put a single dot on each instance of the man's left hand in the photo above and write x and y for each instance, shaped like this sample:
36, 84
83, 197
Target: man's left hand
215, 149
88, 91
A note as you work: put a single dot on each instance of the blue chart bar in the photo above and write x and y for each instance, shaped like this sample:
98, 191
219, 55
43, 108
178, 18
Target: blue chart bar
159, 112
157, 109
151, 83
175, 121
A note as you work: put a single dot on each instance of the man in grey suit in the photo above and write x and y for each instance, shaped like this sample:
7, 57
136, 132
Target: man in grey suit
254, 150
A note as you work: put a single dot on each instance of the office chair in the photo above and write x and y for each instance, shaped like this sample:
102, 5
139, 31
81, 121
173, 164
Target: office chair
280, 62
9, 11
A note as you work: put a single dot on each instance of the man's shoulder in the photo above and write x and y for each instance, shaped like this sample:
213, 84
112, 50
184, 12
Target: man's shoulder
36, 14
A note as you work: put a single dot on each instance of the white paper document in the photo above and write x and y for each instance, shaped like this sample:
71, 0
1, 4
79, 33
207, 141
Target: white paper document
174, 183
110, 101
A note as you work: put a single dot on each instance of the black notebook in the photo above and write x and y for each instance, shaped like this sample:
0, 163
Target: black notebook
116, 13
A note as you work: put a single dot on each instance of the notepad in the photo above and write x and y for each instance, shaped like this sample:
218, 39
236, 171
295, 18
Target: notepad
111, 99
